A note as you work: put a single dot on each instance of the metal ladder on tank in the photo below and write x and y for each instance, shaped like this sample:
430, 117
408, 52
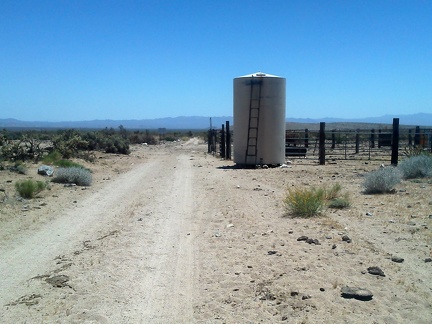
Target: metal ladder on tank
253, 126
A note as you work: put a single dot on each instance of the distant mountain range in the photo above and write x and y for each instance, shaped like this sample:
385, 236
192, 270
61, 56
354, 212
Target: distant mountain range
197, 122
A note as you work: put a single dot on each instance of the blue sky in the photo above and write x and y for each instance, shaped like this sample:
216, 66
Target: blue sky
84, 60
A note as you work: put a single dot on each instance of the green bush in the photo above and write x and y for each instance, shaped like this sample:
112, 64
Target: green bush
68, 164
339, 202
333, 192
52, 157
29, 188
419, 166
19, 167
76, 175
382, 180
304, 202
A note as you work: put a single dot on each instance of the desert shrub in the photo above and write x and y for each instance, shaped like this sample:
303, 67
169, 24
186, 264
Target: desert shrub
68, 164
116, 144
52, 157
411, 151
79, 176
418, 166
68, 143
108, 140
19, 167
310, 202
382, 180
29, 188
333, 192
340, 202
304, 202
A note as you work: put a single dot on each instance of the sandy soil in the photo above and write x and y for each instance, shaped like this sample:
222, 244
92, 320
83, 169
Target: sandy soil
171, 234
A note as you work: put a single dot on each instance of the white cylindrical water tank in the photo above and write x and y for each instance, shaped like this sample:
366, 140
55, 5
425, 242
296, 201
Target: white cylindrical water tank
259, 119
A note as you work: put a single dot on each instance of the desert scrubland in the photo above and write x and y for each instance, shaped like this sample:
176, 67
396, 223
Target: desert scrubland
171, 234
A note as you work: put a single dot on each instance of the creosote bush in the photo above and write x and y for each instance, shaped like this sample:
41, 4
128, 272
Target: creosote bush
68, 164
419, 166
29, 188
77, 175
382, 180
52, 157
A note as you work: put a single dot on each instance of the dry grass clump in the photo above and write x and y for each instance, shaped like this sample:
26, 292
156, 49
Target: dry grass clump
305, 202
29, 188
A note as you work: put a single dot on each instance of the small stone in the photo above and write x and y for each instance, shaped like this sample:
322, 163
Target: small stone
346, 238
428, 260
333, 246
376, 271
397, 259
302, 238
369, 214
313, 241
271, 252
322, 289
306, 297
58, 281
356, 293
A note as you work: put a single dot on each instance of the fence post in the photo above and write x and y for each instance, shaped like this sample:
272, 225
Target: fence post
228, 141
333, 139
222, 142
306, 137
322, 144
379, 138
417, 136
395, 142
209, 141
409, 138
357, 141
372, 138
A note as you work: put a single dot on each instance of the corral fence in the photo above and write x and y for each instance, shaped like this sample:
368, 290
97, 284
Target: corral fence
384, 144
357, 144
222, 139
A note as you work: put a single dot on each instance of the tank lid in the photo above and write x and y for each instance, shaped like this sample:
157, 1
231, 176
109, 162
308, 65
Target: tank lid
259, 75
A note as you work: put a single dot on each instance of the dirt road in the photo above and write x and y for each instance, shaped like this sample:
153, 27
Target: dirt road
126, 250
